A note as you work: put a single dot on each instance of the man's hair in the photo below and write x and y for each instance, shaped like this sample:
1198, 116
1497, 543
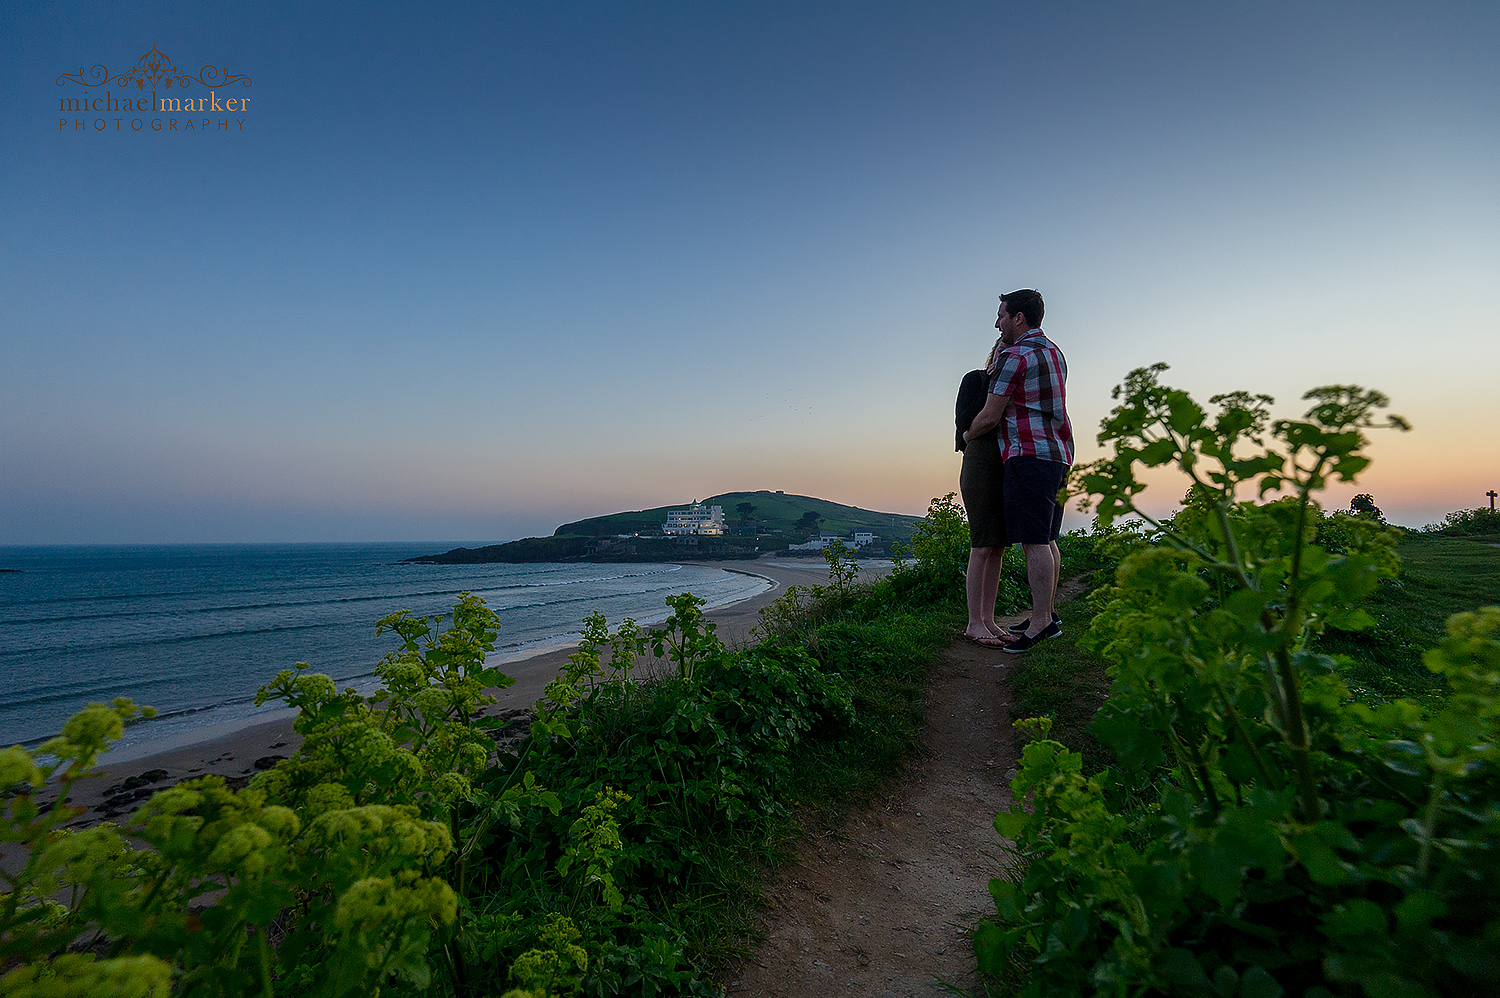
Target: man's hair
1025, 302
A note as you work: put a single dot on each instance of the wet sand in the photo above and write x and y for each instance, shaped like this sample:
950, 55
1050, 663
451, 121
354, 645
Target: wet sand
238, 754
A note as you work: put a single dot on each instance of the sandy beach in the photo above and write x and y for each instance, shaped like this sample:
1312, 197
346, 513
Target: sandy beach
238, 754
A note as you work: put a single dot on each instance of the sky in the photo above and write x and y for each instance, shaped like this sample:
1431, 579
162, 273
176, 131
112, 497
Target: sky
466, 271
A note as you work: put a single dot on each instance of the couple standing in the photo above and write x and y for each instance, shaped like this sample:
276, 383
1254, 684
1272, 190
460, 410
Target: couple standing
1017, 443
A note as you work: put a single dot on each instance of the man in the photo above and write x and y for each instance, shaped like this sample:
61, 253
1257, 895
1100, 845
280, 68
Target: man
1028, 402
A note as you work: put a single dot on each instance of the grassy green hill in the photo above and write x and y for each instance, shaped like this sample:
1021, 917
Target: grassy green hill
773, 511
779, 519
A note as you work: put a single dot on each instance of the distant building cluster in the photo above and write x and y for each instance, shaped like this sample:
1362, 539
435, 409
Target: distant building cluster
695, 520
858, 539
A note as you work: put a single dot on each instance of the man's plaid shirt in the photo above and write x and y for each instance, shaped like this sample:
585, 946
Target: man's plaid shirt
1034, 374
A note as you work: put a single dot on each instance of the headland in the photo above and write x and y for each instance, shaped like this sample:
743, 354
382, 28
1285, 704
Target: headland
748, 526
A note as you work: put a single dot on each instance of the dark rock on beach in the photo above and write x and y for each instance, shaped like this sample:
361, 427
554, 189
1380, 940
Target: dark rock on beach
145, 779
516, 730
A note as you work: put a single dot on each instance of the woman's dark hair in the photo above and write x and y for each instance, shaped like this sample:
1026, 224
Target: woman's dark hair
1026, 302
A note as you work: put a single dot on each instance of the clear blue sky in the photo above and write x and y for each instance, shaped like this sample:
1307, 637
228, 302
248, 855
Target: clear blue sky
467, 275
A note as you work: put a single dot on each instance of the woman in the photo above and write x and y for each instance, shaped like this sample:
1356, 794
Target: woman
981, 483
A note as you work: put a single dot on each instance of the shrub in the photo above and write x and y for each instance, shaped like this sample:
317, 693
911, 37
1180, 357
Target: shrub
351, 888
1468, 523
940, 547
1263, 834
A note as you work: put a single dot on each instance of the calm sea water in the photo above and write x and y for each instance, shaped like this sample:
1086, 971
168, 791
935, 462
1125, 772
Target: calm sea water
193, 630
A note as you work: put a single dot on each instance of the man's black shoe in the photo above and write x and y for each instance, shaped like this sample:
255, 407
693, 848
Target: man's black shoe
1024, 643
1023, 625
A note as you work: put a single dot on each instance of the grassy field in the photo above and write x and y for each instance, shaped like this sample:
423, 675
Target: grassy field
1440, 576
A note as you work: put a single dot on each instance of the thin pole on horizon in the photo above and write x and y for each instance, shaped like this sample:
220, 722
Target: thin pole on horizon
1491, 494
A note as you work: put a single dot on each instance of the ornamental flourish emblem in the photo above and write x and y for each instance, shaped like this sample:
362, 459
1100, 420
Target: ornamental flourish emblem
156, 67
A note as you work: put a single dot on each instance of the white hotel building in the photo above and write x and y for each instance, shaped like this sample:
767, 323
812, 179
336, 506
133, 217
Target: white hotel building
696, 519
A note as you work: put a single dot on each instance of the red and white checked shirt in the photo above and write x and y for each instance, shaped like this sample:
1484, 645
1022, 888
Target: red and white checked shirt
1034, 374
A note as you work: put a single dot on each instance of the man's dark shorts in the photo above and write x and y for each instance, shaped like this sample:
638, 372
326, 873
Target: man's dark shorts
1032, 513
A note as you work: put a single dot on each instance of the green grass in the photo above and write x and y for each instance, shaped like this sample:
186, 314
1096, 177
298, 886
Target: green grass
887, 653
1057, 679
1440, 576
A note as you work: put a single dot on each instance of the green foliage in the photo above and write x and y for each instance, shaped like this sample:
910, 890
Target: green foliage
1263, 832
399, 851
688, 640
351, 886
843, 570
707, 755
595, 845
75, 975
795, 617
1364, 505
1479, 522
1063, 683
940, 546
881, 646
420, 740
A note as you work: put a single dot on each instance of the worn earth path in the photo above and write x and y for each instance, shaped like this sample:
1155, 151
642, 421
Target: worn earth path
884, 906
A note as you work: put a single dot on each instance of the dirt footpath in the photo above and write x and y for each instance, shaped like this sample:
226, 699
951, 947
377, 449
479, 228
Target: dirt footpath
884, 905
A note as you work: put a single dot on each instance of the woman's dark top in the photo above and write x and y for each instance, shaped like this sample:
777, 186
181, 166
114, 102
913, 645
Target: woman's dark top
971, 398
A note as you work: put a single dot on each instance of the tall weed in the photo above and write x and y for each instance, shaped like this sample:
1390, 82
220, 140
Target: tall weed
1263, 832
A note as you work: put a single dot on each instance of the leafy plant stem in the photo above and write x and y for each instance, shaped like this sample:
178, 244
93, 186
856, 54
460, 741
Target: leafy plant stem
1298, 545
1204, 778
264, 953
1296, 736
1244, 736
1233, 545
1291, 625
1429, 821
456, 967
1187, 750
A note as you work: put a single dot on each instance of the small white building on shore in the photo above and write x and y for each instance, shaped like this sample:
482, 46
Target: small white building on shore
858, 539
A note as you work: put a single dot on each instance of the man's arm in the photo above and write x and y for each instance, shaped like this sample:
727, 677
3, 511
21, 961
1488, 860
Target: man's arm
989, 417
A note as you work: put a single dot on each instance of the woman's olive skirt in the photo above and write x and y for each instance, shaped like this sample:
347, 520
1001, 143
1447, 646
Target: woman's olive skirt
982, 485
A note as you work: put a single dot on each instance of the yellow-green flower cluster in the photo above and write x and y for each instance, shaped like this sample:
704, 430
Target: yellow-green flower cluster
75, 975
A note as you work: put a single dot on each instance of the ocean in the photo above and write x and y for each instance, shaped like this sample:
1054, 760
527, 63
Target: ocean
194, 630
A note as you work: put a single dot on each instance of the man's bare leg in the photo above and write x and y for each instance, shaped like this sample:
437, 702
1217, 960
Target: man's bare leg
1056, 573
1042, 568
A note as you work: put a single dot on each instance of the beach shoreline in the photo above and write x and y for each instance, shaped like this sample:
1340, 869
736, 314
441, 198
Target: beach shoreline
239, 753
